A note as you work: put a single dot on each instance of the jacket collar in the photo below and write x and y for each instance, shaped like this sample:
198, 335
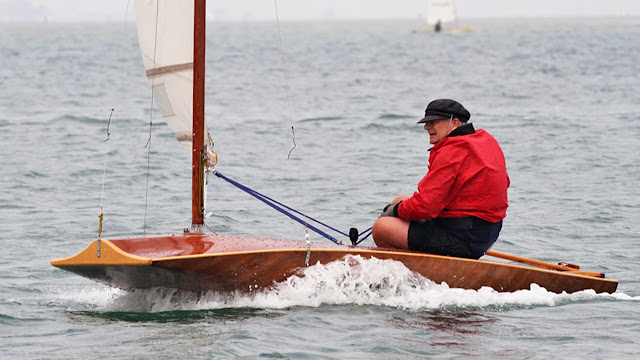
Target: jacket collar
466, 129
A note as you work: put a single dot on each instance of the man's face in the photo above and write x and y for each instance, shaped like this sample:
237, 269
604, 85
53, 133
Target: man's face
438, 129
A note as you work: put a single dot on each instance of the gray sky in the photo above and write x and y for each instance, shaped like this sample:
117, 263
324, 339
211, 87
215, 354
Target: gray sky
115, 10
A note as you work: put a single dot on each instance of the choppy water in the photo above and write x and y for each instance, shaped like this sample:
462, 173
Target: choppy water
561, 96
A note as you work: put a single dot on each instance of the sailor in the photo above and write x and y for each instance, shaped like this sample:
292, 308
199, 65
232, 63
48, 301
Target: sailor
459, 205
438, 26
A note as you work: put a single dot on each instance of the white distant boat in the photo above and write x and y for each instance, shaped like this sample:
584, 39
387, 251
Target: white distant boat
442, 17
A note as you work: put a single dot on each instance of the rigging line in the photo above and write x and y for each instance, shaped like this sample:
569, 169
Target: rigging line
153, 79
288, 92
286, 77
272, 203
146, 192
124, 30
366, 230
106, 151
104, 176
209, 227
364, 238
148, 145
267, 199
204, 202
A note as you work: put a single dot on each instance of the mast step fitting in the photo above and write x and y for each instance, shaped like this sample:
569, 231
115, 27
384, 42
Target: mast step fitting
195, 229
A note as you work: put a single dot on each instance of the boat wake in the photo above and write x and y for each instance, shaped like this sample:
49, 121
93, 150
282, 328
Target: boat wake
352, 281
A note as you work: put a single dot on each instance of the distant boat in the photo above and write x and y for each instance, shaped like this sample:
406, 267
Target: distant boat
172, 40
442, 17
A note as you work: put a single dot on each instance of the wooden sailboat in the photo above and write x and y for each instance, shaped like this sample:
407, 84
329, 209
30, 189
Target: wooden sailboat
196, 261
443, 13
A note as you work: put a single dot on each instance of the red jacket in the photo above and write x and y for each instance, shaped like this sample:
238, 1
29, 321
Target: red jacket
467, 177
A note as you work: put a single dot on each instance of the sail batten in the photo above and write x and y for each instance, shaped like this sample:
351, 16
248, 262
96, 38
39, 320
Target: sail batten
169, 69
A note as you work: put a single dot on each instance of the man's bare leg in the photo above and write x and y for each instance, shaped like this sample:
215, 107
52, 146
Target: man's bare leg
391, 232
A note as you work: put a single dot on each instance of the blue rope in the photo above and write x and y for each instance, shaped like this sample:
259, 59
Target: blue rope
271, 202
267, 200
362, 233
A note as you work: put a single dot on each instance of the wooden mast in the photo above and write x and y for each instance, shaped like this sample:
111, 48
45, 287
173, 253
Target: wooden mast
197, 176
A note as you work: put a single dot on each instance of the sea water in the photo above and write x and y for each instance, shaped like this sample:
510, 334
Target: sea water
561, 96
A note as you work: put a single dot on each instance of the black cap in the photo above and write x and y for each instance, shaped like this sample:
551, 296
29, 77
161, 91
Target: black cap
444, 109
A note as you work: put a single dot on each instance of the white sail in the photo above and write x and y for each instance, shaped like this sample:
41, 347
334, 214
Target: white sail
441, 10
165, 34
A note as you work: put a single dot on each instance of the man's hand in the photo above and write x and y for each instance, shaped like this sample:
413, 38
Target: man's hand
390, 210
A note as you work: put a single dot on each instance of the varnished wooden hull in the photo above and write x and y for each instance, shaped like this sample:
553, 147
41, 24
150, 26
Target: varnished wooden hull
229, 263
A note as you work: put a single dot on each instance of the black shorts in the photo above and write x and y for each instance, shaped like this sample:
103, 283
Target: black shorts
468, 237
